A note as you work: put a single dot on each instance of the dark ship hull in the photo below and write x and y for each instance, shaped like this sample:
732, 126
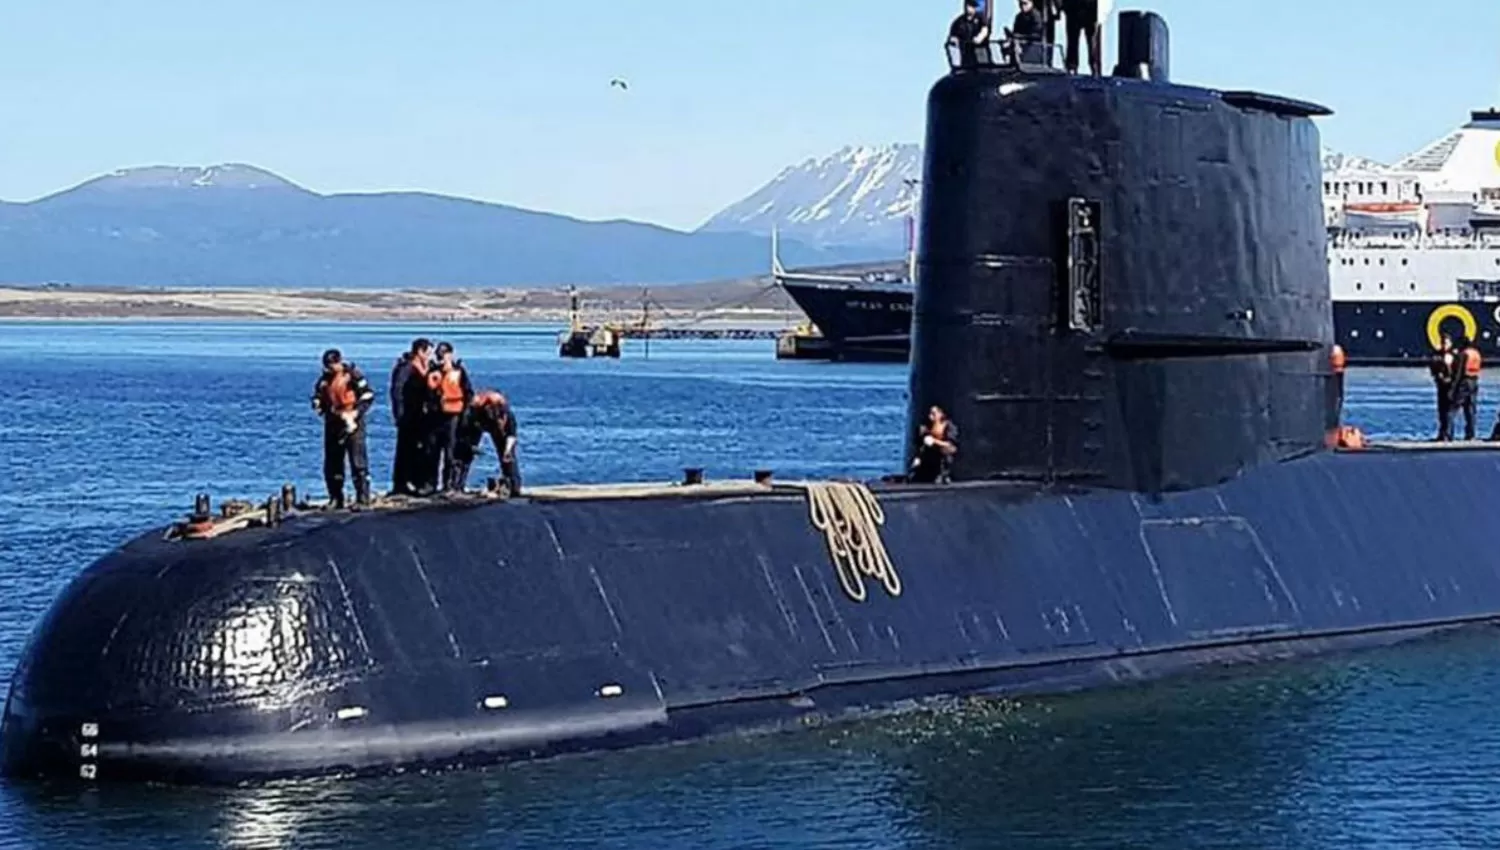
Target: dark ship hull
1140, 368
872, 323
378, 642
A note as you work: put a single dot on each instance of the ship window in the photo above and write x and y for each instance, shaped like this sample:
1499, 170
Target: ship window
1367, 261
1382, 286
1383, 187
1403, 261
1358, 285
1382, 261
1414, 287
1380, 334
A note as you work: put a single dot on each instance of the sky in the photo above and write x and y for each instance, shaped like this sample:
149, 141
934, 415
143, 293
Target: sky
510, 100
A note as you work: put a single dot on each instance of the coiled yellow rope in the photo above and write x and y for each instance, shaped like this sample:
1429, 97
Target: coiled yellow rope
850, 519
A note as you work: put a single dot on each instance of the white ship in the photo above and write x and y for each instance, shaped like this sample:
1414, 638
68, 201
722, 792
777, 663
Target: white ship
1414, 249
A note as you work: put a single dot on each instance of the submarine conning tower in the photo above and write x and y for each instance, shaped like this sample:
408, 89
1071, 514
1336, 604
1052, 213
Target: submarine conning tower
1122, 281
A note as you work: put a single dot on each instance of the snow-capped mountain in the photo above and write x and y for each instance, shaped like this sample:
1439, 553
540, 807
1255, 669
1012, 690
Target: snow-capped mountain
1335, 162
158, 177
858, 196
854, 196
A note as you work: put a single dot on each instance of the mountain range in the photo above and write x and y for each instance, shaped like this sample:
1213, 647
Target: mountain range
236, 225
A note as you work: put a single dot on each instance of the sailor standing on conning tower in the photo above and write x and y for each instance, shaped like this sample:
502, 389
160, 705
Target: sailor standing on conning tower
970, 31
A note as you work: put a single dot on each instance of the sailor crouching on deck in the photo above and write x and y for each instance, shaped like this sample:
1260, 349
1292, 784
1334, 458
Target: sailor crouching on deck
1466, 383
342, 397
1444, 368
490, 414
939, 438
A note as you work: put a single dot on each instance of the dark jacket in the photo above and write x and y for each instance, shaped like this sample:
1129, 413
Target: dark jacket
418, 401
933, 463
1028, 26
1443, 367
499, 421
399, 374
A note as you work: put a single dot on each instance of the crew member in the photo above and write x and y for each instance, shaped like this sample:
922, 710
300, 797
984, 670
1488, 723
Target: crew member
1336, 363
1026, 35
450, 381
412, 403
400, 475
490, 414
1444, 368
939, 437
342, 397
1083, 23
969, 31
1051, 12
1466, 386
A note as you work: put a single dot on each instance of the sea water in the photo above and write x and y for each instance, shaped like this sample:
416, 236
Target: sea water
108, 429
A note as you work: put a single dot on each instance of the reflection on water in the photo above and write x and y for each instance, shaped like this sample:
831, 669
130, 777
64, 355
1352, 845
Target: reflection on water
1396, 748
1392, 748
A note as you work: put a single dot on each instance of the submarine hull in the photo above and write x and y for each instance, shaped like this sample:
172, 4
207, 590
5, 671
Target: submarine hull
1122, 299
470, 635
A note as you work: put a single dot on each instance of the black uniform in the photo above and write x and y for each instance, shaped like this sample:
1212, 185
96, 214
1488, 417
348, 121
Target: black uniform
1051, 11
1083, 23
964, 30
933, 464
498, 421
1466, 387
401, 477
1028, 32
1444, 367
415, 414
332, 397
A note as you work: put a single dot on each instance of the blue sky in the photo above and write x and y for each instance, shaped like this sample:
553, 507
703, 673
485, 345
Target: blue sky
510, 101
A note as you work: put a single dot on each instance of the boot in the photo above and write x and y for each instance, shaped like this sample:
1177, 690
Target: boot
336, 500
362, 494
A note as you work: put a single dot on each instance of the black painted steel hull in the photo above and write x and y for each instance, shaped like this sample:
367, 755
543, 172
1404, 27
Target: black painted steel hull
348, 644
873, 324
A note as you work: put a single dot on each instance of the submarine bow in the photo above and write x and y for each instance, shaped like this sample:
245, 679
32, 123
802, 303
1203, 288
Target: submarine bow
1122, 299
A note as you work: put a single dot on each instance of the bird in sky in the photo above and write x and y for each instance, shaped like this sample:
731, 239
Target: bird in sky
619, 83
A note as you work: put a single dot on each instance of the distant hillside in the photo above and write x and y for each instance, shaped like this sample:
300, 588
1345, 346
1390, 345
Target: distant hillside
237, 225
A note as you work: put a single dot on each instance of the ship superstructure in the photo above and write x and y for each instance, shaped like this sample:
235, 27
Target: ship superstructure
1414, 249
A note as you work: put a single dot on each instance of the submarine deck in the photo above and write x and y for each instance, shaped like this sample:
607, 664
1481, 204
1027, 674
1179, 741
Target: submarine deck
706, 489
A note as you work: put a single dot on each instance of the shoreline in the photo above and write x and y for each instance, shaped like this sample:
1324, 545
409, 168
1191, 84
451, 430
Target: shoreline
719, 304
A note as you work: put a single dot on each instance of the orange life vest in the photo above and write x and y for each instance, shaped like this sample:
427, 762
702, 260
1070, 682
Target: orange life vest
1472, 362
339, 393
451, 384
1336, 359
1351, 437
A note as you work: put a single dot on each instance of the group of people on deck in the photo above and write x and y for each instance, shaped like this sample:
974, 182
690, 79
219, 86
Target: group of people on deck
1033, 32
440, 421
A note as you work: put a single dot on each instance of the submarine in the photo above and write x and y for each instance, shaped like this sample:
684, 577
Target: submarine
1123, 303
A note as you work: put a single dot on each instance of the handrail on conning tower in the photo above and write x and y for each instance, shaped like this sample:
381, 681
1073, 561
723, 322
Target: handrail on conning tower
1034, 56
